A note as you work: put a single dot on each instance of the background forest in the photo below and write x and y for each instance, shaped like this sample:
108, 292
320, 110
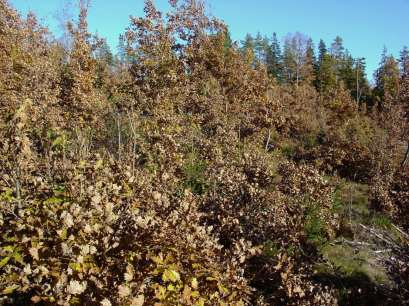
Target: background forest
192, 170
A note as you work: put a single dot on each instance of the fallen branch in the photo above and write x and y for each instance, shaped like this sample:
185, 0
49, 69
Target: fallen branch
401, 231
354, 243
379, 236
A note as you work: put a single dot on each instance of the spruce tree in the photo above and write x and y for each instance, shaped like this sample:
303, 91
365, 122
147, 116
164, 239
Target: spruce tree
308, 67
326, 77
404, 62
259, 48
337, 51
247, 48
386, 79
274, 59
322, 51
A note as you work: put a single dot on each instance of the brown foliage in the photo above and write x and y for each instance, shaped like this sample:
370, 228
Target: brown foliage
154, 182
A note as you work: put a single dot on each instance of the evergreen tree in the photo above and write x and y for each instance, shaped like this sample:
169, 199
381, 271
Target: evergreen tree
404, 62
322, 51
319, 66
346, 71
326, 77
289, 62
102, 51
337, 48
248, 48
308, 68
362, 91
337, 51
260, 48
274, 59
386, 79
228, 42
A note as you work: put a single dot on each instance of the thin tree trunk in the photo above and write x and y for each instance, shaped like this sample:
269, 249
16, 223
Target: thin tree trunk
268, 140
405, 159
18, 188
119, 137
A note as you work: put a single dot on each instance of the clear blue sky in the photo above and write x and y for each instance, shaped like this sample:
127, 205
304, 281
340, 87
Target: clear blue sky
365, 25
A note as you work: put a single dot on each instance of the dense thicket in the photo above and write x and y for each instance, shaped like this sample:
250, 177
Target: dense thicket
188, 170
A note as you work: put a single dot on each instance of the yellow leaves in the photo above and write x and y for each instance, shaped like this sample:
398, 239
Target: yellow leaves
99, 164
222, 289
53, 201
7, 195
10, 289
12, 253
4, 261
60, 142
160, 292
157, 259
194, 283
170, 275
75, 266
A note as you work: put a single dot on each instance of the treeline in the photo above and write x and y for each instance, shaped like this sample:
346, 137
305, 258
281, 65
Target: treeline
297, 62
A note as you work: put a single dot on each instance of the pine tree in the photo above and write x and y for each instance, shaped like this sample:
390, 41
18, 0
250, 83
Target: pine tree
362, 91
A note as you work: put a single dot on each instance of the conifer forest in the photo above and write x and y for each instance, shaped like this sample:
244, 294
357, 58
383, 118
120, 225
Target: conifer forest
186, 168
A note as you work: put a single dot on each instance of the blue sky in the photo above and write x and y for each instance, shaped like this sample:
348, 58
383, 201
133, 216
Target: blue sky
365, 25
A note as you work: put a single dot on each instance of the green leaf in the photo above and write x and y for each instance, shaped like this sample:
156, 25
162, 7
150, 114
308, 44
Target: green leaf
157, 260
10, 289
18, 258
7, 195
195, 283
4, 261
8, 248
53, 200
75, 266
222, 289
59, 141
171, 275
